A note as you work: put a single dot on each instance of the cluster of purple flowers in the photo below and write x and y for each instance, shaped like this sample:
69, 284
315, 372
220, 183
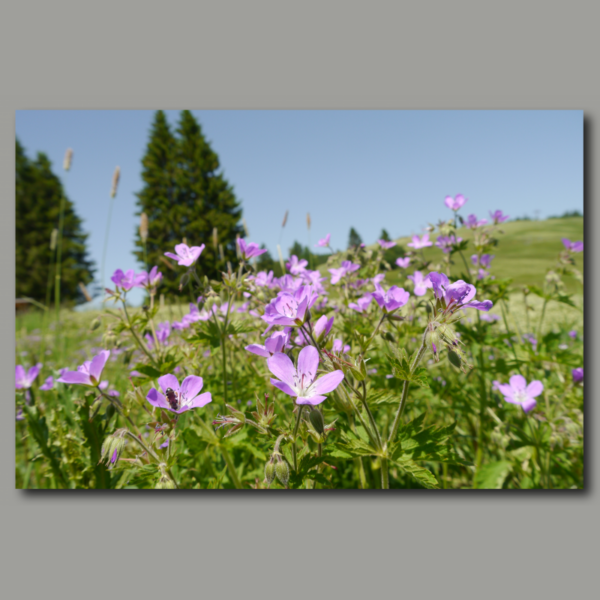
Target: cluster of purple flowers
130, 279
447, 242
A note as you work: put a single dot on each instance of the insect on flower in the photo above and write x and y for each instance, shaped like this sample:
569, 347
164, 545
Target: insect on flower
172, 398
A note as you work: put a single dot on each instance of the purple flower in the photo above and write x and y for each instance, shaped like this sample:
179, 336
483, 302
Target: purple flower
163, 331
346, 268
456, 202
249, 250
88, 373
290, 309
391, 300
573, 334
456, 295
422, 242
321, 330
386, 245
263, 279
300, 383
518, 392
484, 260
48, 384
128, 280
186, 256
572, 246
296, 266
445, 243
25, 380
473, 223
324, 243
152, 279
421, 283
498, 217
403, 262
361, 304
179, 400
276, 343
339, 347
577, 375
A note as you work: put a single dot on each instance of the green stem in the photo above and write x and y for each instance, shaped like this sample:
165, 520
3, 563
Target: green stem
136, 337
402, 405
300, 409
370, 415
358, 462
539, 331
385, 476
61, 223
231, 468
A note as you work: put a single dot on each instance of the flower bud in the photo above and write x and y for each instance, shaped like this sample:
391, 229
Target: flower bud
270, 472
454, 359
316, 419
95, 324
112, 448
164, 483
185, 278
282, 470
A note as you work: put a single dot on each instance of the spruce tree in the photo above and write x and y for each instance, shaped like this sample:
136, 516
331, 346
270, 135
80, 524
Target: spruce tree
38, 195
354, 239
385, 236
185, 198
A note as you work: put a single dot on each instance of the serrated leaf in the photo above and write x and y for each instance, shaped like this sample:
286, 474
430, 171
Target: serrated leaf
491, 476
148, 371
424, 476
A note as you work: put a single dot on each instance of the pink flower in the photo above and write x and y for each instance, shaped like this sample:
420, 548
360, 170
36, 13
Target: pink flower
186, 256
421, 283
572, 246
301, 383
386, 245
276, 343
128, 280
418, 243
518, 392
403, 262
25, 380
296, 266
498, 217
456, 202
324, 243
88, 373
179, 399
249, 250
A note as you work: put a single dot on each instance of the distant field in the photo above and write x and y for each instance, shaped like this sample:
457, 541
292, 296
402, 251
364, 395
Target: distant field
526, 250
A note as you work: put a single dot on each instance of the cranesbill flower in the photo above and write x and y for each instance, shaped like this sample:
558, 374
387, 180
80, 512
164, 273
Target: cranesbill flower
386, 245
300, 383
572, 246
573, 334
324, 243
455, 203
290, 309
321, 330
186, 256
421, 283
89, 372
338, 346
179, 399
296, 266
152, 279
128, 280
361, 304
498, 217
518, 392
163, 331
25, 380
484, 261
418, 243
456, 295
263, 278
276, 343
391, 300
577, 375
403, 262
249, 250
472, 222
48, 384
445, 243
346, 268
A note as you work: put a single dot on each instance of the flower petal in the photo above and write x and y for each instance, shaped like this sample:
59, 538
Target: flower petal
284, 387
98, 363
308, 363
282, 367
168, 381
518, 383
157, 399
327, 383
528, 404
75, 377
197, 402
535, 388
313, 400
260, 350
191, 386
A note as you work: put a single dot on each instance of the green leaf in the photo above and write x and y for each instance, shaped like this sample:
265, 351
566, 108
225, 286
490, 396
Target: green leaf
491, 476
193, 441
148, 371
424, 476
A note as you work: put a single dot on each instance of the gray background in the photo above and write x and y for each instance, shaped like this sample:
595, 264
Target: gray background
308, 54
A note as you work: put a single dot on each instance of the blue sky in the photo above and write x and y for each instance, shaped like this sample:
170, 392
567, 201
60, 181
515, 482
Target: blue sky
362, 169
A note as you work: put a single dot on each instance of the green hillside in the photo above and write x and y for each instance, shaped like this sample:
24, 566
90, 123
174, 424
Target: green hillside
526, 250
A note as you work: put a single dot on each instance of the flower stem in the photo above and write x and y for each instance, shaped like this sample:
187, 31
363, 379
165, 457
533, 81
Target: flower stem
300, 409
385, 476
231, 468
136, 337
402, 405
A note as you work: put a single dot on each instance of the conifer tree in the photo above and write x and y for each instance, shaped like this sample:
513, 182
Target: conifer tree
185, 197
354, 239
38, 195
385, 236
